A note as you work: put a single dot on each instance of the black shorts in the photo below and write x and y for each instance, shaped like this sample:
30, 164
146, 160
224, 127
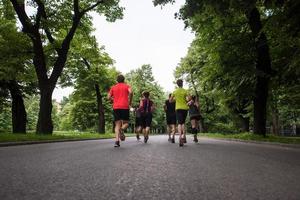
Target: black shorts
138, 121
195, 117
171, 119
121, 114
181, 116
146, 120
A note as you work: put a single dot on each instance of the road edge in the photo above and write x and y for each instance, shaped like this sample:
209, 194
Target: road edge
255, 142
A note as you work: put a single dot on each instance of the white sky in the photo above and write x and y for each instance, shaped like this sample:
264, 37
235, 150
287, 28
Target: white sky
146, 35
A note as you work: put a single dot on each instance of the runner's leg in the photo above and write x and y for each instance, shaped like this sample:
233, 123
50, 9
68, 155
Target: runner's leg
194, 129
124, 124
169, 131
173, 131
117, 132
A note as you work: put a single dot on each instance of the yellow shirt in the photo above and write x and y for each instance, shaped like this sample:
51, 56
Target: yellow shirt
180, 95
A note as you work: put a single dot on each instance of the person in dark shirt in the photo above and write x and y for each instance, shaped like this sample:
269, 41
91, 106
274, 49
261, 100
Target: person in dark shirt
194, 114
146, 108
169, 108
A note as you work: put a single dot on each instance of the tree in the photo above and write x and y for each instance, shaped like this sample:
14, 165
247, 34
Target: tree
15, 66
89, 67
47, 30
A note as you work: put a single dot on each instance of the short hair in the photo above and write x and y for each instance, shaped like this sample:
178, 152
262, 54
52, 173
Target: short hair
179, 82
170, 95
146, 94
120, 78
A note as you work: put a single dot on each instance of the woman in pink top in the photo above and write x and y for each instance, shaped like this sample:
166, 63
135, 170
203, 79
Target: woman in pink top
146, 109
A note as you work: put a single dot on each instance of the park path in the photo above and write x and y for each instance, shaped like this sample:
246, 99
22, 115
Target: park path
211, 169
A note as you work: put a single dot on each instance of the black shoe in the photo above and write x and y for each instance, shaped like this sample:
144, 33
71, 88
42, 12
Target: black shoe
138, 137
146, 139
122, 135
181, 142
173, 140
117, 144
195, 139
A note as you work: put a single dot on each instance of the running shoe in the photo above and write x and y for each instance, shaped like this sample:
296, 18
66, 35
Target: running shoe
173, 140
195, 139
181, 142
117, 144
146, 139
184, 139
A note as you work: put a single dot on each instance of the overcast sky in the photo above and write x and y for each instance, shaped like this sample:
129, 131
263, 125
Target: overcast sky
146, 35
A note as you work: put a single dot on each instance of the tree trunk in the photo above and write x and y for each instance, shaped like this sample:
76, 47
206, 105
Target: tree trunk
45, 125
263, 68
101, 118
19, 116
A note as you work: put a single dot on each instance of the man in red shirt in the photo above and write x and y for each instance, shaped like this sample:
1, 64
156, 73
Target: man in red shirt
121, 96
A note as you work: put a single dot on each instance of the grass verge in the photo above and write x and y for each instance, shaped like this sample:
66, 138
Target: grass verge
57, 135
253, 137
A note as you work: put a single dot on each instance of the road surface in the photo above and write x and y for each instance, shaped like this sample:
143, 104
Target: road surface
211, 169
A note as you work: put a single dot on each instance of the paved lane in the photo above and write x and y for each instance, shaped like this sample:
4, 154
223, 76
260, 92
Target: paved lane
212, 169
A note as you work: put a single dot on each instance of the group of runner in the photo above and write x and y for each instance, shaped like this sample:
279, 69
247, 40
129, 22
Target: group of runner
179, 104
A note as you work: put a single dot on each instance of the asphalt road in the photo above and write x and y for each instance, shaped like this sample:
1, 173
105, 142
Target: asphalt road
211, 169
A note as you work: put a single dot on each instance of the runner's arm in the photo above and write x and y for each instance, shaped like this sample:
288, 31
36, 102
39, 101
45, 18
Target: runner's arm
130, 95
110, 96
165, 106
152, 107
172, 99
141, 104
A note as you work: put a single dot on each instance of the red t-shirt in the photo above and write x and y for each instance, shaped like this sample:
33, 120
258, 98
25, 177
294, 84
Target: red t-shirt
120, 93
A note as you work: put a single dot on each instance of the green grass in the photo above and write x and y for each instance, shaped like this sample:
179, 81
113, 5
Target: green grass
253, 137
71, 135
57, 135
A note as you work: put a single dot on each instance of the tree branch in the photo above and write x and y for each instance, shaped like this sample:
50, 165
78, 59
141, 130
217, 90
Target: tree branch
87, 64
33, 32
42, 13
63, 51
76, 7
23, 17
92, 7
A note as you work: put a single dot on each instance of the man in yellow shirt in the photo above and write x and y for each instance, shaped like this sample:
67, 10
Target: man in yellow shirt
180, 96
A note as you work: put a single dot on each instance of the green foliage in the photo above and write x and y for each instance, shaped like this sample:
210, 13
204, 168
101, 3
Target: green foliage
65, 122
5, 119
57, 136
32, 109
